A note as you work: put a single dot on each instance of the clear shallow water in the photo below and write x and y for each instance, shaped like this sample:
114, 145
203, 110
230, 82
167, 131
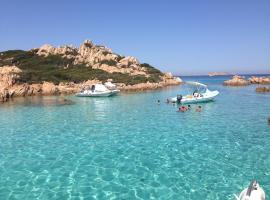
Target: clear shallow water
129, 147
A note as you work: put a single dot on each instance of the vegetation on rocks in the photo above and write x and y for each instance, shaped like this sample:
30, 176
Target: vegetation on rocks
50, 70
56, 69
108, 62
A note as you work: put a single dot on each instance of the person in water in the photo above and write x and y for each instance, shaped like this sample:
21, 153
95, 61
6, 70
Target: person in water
189, 107
158, 102
199, 109
182, 109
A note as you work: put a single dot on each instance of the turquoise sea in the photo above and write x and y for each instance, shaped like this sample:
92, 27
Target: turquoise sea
131, 147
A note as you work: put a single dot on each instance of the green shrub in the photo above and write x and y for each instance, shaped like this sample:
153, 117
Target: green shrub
150, 69
54, 68
109, 62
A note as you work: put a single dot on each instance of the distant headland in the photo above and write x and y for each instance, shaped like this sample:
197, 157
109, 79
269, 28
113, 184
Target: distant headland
218, 74
50, 70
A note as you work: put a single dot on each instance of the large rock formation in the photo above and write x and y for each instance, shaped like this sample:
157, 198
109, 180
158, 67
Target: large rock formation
8, 77
9, 87
237, 81
50, 70
96, 56
241, 81
259, 80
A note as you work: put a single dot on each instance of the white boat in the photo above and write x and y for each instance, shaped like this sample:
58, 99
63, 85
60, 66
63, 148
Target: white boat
253, 192
199, 95
99, 90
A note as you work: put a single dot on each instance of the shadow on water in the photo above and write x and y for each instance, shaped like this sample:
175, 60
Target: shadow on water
40, 101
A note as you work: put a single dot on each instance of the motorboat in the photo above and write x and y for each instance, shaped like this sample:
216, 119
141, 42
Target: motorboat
253, 192
200, 94
99, 90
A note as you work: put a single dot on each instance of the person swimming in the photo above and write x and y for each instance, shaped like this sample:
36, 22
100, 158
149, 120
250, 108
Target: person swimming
199, 109
189, 107
182, 109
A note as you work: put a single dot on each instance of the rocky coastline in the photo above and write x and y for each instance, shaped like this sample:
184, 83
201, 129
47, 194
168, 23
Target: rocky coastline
9, 87
242, 81
65, 70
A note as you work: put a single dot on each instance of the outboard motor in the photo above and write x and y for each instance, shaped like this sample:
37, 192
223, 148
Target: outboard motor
179, 98
253, 192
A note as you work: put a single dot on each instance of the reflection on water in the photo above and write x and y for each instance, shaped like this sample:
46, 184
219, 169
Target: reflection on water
100, 105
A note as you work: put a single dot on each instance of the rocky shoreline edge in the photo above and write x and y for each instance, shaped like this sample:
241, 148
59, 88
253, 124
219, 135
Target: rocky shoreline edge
242, 81
67, 69
237, 81
10, 87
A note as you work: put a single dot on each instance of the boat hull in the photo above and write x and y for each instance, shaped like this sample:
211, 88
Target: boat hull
98, 94
209, 96
197, 100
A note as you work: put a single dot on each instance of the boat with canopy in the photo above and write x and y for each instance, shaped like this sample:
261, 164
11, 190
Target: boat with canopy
200, 93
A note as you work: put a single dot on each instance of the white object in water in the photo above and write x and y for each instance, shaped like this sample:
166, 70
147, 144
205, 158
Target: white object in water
201, 94
97, 90
253, 192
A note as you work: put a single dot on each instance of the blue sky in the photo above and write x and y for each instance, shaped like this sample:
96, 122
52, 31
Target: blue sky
182, 36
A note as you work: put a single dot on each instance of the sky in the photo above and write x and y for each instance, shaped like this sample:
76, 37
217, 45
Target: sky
186, 37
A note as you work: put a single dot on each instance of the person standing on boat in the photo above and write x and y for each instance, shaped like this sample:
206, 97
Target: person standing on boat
179, 98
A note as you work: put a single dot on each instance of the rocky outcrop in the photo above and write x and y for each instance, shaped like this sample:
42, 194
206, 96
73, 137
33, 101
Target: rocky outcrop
10, 88
49, 88
241, 81
262, 89
96, 56
259, 80
4, 95
66, 51
127, 70
237, 81
8, 77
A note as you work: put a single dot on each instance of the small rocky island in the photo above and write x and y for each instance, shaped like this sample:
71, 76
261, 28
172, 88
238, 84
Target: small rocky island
237, 81
52, 70
242, 81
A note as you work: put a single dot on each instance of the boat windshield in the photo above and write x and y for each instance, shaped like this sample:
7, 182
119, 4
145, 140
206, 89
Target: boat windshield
193, 88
